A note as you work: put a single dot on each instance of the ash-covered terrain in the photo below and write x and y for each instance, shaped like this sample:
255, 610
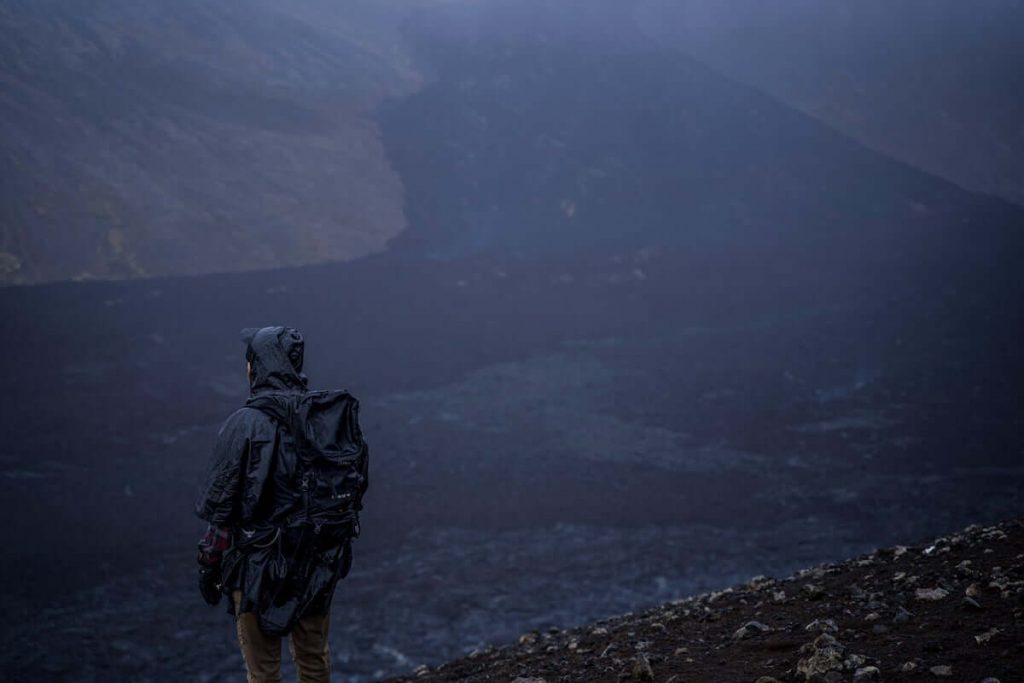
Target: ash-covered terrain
585, 448
647, 333
950, 609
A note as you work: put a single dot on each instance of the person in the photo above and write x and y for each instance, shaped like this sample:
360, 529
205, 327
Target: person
281, 501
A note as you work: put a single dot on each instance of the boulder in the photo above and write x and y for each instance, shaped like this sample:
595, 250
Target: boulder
931, 594
751, 628
867, 674
827, 656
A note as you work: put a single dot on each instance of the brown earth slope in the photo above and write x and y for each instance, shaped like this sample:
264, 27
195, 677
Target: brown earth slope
951, 609
141, 138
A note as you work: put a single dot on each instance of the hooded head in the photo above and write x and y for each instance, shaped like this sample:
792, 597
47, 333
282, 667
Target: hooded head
275, 356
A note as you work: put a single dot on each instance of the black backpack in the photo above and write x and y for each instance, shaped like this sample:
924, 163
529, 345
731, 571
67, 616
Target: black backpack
332, 461
310, 548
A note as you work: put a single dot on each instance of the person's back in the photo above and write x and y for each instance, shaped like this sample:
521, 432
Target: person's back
282, 499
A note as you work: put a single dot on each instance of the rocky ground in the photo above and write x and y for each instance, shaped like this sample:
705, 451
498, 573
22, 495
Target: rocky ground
531, 468
951, 609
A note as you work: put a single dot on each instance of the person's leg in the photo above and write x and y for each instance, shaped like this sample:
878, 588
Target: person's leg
262, 654
309, 649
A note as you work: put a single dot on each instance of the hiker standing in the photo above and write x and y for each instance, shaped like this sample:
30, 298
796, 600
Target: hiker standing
282, 499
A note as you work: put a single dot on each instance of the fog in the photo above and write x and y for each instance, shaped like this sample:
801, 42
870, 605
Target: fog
640, 300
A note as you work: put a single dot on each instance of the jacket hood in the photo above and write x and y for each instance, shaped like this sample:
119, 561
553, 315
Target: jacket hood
275, 354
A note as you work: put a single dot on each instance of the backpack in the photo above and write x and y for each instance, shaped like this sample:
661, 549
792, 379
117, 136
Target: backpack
331, 459
300, 558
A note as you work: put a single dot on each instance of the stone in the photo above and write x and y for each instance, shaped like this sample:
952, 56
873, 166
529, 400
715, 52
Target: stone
827, 642
931, 594
827, 656
528, 679
767, 679
823, 625
813, 591
908, 667
642, 668
983, 638
751, 628
854, 662
867, 674
758, 581
941, 671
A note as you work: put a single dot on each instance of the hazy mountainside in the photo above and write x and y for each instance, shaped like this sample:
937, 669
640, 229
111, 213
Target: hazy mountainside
537, 141
150, 138
146, 138
935, 83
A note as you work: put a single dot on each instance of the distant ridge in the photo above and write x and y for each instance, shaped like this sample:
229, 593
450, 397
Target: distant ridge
187, 138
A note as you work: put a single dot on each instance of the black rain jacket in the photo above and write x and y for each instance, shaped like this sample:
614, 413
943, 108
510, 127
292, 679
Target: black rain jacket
250, 490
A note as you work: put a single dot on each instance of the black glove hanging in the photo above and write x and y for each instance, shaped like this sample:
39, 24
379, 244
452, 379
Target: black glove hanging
209, 584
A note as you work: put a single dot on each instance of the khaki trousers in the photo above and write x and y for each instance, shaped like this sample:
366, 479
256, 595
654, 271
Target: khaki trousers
262, 654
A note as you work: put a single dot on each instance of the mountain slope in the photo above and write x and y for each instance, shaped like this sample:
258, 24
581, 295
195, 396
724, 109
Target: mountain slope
934, 83
146, 138
585, 138
141, 138
950, 609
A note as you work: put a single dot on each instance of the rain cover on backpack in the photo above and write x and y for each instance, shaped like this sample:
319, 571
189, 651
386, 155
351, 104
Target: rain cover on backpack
311, 547
331, 457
